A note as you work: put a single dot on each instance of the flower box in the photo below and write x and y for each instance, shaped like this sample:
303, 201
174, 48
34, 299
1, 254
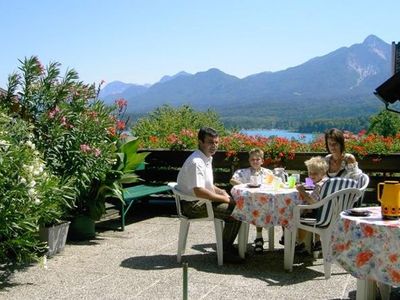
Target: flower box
55, 236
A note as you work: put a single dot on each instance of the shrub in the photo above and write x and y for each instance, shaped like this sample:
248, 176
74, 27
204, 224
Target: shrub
168, 127
76, 132
385, 123
30, 194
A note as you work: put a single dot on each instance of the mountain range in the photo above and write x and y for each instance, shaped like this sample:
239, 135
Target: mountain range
338, 85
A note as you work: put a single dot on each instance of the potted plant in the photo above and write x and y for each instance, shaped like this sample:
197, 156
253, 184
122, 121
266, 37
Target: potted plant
32, 196
75, 131
53, 229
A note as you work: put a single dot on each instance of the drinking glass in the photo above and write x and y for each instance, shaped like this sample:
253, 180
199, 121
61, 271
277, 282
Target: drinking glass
277, 182
309, 182
297, 177
254, 180
291, 181
268, 178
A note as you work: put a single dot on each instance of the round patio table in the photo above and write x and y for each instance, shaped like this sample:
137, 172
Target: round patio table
368, 248
267, 207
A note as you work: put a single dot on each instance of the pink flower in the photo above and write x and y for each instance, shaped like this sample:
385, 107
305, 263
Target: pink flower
121, 103
120, 125
53, 112
96, 152
362, 132
85, 148
111, 131
172, 138
187, 132
64, 121
153, 139
92, 114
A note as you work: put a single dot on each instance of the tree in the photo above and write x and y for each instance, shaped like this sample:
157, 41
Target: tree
385, 123
166, 119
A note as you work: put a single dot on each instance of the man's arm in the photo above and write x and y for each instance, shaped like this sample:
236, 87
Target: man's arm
218, 196
220, 191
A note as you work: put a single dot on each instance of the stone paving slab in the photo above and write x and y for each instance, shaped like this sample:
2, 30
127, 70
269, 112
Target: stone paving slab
140, 263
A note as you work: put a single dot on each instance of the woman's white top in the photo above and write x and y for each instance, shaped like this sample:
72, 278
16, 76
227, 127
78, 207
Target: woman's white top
346, 170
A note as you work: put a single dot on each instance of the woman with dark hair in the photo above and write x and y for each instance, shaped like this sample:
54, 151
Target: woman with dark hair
341, 164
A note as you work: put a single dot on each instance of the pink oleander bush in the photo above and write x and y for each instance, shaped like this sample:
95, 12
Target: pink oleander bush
77, 132
62, 153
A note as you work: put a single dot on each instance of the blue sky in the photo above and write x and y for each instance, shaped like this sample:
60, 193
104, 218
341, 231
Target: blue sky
140, 41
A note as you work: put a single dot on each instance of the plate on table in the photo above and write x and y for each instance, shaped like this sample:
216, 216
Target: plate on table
357, 212
253, 185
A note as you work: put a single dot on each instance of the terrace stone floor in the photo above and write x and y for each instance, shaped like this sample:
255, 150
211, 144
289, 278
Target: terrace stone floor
140, 263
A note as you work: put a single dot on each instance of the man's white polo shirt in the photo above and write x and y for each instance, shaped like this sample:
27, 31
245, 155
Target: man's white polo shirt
196, 172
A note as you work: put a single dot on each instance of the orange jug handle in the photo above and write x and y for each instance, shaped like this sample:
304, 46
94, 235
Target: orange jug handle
379, 195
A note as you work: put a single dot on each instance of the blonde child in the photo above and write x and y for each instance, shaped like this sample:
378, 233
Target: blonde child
256, 159
317, 168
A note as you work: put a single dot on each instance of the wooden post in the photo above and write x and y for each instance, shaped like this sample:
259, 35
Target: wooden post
185, 281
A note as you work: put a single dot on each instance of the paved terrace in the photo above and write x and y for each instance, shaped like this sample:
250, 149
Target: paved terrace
140, 263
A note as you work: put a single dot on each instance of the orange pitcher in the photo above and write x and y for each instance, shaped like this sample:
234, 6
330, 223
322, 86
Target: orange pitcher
389, 199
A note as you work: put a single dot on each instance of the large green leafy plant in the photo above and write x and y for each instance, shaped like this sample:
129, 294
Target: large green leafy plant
75, 131
127, 160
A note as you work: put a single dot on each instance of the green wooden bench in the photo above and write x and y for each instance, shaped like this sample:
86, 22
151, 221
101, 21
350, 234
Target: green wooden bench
138, 192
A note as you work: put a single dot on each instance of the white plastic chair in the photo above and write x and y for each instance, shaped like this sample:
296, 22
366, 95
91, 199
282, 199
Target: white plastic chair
185, 223
323, 224
362, 184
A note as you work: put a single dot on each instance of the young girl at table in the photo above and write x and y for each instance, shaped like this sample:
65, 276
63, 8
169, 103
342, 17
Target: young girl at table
256, 159
317, 168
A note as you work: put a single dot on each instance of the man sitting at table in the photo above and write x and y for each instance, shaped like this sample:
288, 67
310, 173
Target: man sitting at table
256, 159
196, 179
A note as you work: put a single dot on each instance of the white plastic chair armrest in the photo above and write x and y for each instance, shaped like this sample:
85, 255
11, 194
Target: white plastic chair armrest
316, 204
185, 197
297, 209
201, 201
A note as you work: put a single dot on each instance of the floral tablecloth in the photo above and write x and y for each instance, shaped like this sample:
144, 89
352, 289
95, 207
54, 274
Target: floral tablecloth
368, 247
265, 206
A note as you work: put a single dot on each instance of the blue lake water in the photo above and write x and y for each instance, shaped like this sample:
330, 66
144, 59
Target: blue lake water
306, 137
